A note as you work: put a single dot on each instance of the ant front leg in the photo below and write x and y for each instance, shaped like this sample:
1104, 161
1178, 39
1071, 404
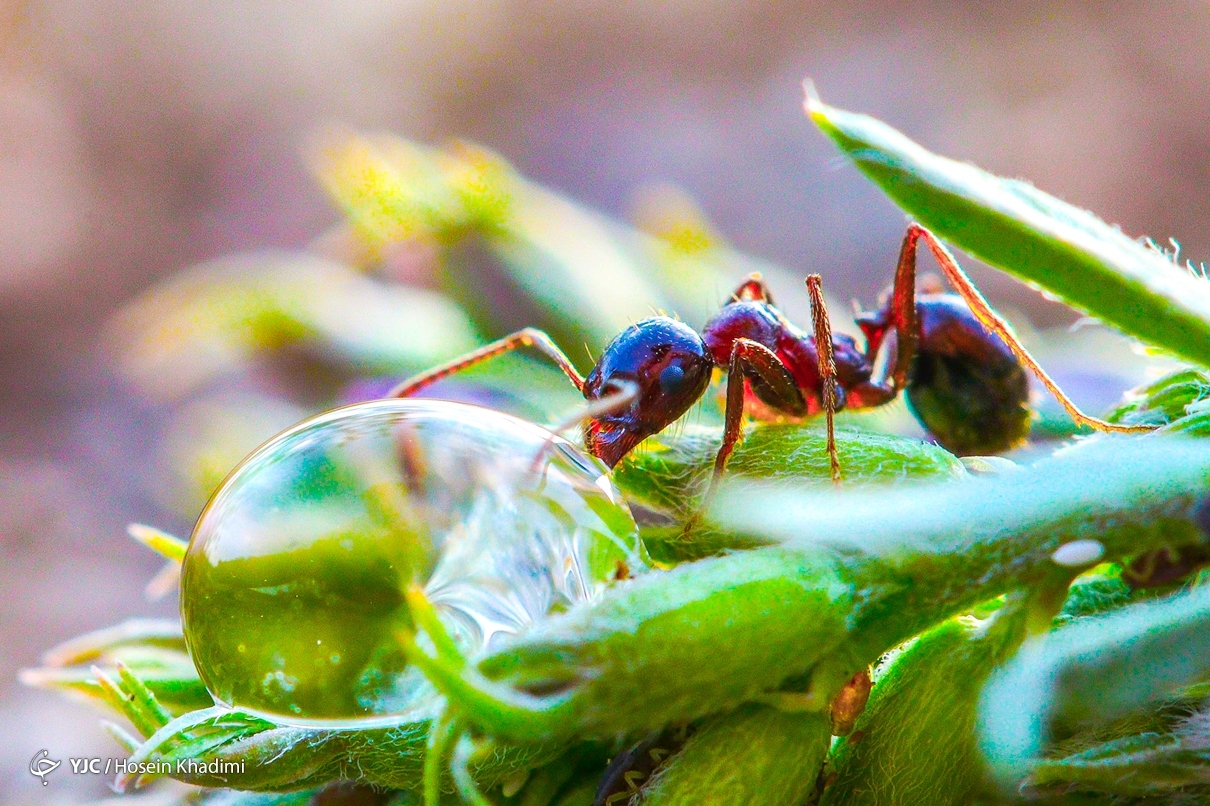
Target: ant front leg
904, 310
529, 337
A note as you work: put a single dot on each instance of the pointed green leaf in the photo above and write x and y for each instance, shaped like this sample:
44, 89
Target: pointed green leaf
167, 673
1014, 226
1145, 764
126, 704
144, 632
168, 546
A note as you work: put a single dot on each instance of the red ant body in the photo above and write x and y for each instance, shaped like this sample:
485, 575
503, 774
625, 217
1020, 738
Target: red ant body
963, 371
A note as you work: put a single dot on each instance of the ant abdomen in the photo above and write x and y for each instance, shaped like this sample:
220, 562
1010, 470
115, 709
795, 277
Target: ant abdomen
964, 384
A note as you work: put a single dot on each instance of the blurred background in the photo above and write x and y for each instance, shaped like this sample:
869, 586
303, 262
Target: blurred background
138, 139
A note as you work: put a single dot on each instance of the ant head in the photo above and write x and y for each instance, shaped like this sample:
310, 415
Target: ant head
669, 366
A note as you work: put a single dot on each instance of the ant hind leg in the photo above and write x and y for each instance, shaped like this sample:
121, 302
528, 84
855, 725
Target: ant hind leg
994, 324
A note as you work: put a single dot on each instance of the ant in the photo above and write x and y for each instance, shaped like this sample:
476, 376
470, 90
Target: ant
961, 367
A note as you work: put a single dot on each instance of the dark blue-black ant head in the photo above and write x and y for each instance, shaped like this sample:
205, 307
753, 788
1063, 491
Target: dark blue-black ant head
667, 364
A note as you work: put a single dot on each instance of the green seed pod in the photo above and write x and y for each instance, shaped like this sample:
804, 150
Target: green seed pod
757, 755
916, 741
708, 636
665, 481
292, 587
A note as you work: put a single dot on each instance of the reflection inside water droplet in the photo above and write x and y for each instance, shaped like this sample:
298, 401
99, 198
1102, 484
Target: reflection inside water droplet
292, 589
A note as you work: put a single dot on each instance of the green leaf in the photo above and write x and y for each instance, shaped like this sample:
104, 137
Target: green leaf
1146, 764
223, 737
1098, 591
142, 696
1090, 672
151, 649
1014, 226
168, 546
217, 316
142, 632
1172, 399
132, 704
581, 275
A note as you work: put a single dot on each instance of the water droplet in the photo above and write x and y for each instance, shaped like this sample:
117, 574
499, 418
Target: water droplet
291, 588
1078, 553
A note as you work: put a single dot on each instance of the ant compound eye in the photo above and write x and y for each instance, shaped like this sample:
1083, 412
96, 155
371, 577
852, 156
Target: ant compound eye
292, 586
671, 379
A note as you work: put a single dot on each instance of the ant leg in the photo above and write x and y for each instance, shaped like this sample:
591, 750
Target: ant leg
529, 337
903, 308
753, 356
752, 289
992, 321
827, 365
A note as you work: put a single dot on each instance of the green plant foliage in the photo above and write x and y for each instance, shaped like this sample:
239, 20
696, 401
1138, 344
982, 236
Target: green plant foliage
665, 481
1090, 672
217, 316
585, 277
1098, 591
1175, 403
757, 755
151, 649
1173, 762
1016, 227
840, 589
915, 743
463, 611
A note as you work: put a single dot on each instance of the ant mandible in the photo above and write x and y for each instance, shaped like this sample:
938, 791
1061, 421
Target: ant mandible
960, 365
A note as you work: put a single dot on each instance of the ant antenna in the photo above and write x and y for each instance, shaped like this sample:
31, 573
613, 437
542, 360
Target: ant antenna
626, 392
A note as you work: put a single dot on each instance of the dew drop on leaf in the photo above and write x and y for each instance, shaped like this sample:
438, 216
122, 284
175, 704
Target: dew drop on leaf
292, 587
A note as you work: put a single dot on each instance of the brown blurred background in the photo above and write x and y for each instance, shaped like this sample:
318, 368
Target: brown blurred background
139, 137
